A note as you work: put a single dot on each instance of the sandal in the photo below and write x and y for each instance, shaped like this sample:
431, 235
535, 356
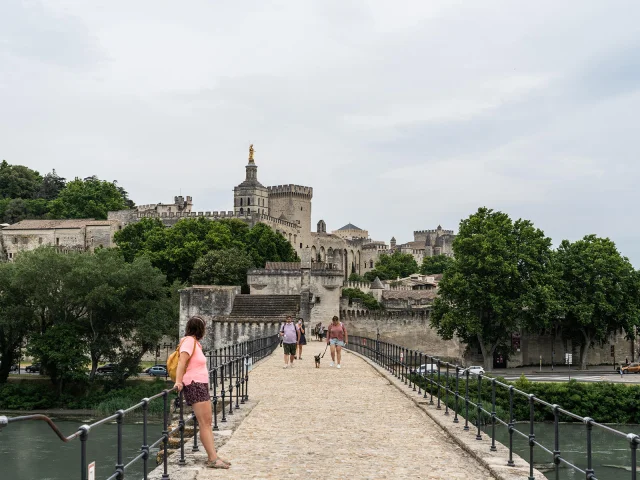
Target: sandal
217, 463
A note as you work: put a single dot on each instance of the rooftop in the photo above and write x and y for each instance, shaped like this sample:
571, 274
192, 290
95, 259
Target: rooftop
350, 226
53, 224
409, 294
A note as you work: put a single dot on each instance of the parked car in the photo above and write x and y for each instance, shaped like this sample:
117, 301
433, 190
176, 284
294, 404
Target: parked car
34, 368
108, 368
473, 370
631, 368
156, 365
158, 371
426, 368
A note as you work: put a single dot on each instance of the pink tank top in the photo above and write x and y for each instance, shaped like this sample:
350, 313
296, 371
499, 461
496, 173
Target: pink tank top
197, 368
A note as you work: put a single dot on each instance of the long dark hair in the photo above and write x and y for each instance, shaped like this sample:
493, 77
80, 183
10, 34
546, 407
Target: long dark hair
195, 327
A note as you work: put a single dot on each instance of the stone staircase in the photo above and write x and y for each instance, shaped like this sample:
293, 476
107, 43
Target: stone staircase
265, 306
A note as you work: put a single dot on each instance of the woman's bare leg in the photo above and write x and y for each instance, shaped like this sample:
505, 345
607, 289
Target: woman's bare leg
333, 353
338, 353
203, 414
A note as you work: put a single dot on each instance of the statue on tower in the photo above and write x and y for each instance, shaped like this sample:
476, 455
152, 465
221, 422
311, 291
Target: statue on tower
251, 153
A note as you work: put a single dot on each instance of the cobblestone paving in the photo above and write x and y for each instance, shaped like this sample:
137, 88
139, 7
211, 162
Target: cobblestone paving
341, 424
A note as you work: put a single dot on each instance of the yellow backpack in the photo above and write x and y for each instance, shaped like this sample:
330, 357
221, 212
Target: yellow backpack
174, 358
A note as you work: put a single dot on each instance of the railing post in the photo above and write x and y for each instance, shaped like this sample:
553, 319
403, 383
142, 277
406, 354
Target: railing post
493, 415
455, 416
438, 407
145, 445
446, 391
431, 380
532, 436
120, 463
214, 381
633, 443
181, 425
195, 434
84, 436
589, 470
165, 434
466, 404
556, 441
238, 362
479, 435
246, 377
418, 374
511, 427
222, 393
230, 389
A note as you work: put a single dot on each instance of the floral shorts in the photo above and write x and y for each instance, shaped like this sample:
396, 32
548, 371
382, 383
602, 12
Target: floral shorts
196, 392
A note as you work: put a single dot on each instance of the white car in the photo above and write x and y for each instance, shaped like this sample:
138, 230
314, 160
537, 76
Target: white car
473, 370
426, 368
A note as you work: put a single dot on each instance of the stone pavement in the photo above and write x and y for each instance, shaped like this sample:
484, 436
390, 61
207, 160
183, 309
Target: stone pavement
350, 423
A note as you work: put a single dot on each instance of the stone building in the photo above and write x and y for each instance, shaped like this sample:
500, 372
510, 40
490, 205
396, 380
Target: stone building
66, 235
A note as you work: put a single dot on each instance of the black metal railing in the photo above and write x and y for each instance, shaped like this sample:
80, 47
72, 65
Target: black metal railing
415, 368
230, 364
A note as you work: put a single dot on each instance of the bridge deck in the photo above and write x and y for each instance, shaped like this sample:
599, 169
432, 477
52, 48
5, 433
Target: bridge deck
328, 423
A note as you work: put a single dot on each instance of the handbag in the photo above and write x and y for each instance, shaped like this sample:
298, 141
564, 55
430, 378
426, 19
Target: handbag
174, 359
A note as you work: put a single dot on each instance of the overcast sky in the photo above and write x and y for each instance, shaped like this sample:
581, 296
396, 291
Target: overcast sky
400, 115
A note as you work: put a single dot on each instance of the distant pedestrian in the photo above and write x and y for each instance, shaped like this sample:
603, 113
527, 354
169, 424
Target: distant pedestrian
319, 331
302, 338
337, 338
192, 376
290, 337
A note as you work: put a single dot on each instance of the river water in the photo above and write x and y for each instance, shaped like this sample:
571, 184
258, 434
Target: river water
611, 453
31, 451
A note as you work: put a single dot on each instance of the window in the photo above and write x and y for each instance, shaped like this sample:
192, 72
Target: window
301, 245
10, 255
317, 299
248, 210
241, 202
15, 240
370, 263
300, 208
248, 201
57, 241
241, 210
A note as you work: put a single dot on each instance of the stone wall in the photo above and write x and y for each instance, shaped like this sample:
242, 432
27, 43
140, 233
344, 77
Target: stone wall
411, 331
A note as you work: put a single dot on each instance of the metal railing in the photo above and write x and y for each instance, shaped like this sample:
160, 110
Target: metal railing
230, 364
404, 364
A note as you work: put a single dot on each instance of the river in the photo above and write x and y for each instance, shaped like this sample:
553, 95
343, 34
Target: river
31, 451
611, 454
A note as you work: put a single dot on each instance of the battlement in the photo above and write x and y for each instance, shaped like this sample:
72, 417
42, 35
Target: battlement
286, 190
221, 214
279, 221
443, 232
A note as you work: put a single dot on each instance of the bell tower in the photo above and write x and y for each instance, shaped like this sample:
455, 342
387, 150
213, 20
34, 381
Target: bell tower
250, 198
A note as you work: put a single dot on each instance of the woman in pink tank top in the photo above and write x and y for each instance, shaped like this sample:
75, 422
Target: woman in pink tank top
337, 338
193, 377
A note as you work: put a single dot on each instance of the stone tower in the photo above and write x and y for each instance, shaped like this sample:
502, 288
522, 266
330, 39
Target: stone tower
293, 204
250, 197
392, 243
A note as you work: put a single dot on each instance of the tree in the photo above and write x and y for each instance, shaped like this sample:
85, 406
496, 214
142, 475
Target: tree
52, 185
354, 277
598, 290
88, 198
498, 282
368, 300
435, 265
222, 267
175, 250
18, 181
390, 267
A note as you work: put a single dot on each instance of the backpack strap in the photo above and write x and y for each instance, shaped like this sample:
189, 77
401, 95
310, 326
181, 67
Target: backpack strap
195, 342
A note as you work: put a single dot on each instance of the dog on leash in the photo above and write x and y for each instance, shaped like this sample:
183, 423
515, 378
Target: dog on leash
317, 358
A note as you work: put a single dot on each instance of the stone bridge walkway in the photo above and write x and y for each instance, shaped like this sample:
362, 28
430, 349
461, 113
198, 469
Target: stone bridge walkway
325, 423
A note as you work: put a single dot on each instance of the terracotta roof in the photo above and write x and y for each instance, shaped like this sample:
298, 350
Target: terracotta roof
51, 224
409, 294
282, 266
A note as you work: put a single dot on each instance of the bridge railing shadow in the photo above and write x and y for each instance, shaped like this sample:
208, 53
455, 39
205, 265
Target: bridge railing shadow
431, 377
230, 364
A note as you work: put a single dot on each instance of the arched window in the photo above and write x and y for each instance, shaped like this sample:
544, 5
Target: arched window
370, 263
248, 201
241, 211
241, 202
248, 210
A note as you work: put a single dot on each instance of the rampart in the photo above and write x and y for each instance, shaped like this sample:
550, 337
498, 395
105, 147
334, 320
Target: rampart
442, 232
290, 190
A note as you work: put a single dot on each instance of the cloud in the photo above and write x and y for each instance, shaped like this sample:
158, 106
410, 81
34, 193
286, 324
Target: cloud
401, 117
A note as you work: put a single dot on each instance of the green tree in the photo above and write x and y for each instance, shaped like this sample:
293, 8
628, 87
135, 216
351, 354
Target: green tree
52, 185
390, 267
498, 283
88, 198
435, 265
598, 290
354, 277
175, 250
222, 267
18, 181
368, 300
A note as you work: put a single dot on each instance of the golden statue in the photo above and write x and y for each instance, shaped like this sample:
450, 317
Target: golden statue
251, 153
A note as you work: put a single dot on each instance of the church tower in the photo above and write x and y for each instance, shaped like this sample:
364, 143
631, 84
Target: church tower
250, 197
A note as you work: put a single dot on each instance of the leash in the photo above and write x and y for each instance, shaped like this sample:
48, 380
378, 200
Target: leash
325, 350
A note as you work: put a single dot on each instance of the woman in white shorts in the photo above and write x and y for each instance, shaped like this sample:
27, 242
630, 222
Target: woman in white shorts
336, 338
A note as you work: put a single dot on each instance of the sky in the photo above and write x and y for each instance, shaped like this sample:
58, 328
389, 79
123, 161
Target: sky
401, 115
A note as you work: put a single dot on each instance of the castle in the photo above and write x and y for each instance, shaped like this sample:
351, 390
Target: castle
287, 210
